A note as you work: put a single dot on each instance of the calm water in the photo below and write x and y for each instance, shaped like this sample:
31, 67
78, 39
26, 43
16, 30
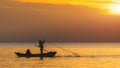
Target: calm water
93, 55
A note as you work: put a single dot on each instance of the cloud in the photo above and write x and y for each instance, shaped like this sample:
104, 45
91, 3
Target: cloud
89, 3
68, 1
97, 4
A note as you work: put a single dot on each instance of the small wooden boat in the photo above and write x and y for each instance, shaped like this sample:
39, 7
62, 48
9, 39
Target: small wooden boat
48, 54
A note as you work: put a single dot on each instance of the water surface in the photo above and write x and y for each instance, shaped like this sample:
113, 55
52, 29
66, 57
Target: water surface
93, 55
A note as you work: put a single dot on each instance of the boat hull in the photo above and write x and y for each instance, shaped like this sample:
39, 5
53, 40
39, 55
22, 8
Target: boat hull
48, 54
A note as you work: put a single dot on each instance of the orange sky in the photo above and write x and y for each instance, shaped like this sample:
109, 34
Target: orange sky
69, 1
74, 2
64, 20
89, 3
104, 5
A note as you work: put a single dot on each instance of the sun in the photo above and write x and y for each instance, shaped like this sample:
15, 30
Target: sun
114, 9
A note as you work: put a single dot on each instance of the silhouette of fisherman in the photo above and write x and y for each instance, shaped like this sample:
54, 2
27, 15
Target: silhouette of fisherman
41, 42
28, 53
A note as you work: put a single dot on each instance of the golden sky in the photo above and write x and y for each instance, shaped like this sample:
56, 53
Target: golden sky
107, 5
72, 1
68, 1
60, 20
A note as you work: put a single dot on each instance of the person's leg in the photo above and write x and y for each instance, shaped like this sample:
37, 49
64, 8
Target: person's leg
41, 53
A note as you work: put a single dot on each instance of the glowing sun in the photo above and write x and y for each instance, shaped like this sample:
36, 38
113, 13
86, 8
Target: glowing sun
114, 9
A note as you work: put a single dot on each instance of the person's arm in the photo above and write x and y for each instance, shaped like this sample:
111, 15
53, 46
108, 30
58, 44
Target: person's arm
35, 45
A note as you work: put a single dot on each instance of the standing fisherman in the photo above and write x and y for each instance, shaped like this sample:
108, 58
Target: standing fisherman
41, 47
